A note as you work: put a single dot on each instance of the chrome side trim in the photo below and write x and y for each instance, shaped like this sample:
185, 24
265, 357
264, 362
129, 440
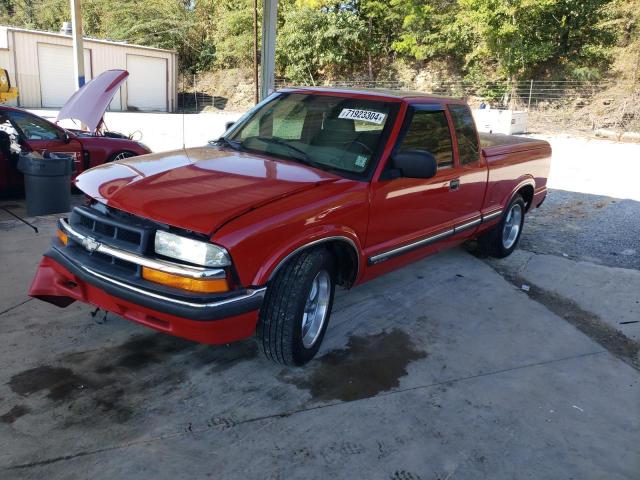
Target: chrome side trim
92, 245
397, 251
468, 225
251, 293
316, 242
491, 216
434, 238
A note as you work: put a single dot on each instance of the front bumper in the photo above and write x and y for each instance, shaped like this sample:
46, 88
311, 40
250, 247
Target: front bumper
60, 280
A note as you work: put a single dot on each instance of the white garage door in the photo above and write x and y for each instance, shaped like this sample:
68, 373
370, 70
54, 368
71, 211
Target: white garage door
147, 83
57, 81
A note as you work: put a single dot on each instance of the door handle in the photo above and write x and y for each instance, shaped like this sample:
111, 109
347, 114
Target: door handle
454, 184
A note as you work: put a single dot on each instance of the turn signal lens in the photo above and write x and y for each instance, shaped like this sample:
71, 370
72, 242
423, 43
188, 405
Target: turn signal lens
200, 285
62, 237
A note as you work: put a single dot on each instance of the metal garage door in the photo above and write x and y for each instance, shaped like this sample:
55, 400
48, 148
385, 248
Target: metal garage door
147, 83
55, 65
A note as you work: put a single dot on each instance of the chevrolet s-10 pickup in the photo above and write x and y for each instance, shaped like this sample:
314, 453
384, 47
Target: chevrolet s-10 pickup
310, 189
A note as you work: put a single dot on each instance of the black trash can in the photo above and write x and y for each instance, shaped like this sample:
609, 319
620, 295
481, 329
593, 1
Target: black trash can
47, 182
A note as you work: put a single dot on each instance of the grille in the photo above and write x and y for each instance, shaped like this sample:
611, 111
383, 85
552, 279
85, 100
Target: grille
114, 228
106, 229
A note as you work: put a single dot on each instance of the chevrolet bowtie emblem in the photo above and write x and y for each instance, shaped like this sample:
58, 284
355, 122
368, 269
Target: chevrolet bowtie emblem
90, 244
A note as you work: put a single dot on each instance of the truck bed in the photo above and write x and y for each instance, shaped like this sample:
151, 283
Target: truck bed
495, 144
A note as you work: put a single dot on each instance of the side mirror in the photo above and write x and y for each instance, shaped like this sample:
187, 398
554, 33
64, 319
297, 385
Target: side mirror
228, 125
415, 163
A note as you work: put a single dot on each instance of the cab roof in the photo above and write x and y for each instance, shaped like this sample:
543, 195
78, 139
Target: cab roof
381, 93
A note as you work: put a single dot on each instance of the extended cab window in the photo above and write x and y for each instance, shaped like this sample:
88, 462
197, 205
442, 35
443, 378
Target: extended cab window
429, 130
468, 149
326, 131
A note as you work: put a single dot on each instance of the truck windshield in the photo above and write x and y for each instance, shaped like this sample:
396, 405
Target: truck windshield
329, 132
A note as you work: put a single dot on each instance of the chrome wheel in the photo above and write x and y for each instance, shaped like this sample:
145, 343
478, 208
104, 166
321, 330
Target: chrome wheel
512, 225
316, 308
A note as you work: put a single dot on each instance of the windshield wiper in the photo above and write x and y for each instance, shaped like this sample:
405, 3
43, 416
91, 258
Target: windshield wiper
304, 156
227, 142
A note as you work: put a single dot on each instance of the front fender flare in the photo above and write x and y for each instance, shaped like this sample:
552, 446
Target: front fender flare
287, 251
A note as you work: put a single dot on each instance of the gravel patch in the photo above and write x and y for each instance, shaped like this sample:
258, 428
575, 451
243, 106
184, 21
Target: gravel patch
592, 228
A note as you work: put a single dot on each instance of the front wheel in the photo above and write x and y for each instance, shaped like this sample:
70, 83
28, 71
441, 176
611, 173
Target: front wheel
296, 309
501, 240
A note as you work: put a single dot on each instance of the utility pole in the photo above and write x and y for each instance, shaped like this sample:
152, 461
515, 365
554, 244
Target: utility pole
268, 57
256, 97
78, 50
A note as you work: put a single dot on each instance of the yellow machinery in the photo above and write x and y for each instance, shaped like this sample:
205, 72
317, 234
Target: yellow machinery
6, 91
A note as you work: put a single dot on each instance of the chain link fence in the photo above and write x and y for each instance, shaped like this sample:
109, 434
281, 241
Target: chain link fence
553, 106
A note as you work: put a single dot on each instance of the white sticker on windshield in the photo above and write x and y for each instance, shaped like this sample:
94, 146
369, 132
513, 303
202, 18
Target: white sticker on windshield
363, 115
361, 160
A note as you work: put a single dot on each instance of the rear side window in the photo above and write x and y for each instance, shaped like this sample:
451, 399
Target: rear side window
429, 130
468, 150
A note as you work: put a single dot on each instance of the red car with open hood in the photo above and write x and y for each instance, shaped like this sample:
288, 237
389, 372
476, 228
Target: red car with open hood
310, 189
23, 131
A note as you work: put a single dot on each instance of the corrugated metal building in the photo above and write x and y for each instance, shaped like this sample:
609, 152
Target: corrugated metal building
40, 65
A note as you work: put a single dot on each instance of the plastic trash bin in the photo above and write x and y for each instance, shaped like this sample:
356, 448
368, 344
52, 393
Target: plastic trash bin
47, 182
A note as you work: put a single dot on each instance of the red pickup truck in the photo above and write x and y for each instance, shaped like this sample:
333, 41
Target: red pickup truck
310, 189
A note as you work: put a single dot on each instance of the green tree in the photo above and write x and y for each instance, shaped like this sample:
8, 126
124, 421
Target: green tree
430, 30
314, 43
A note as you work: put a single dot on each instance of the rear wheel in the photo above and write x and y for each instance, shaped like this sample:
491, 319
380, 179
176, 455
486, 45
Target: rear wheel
296, 309
502, 239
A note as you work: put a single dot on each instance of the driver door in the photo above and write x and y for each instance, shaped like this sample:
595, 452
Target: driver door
40, 135
409, 210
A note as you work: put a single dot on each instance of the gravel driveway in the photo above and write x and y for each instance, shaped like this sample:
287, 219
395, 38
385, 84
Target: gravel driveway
592, 228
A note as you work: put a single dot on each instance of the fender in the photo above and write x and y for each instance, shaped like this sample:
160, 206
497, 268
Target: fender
298, 244
528, 180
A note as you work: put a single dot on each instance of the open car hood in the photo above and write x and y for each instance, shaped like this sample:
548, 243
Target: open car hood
89, 103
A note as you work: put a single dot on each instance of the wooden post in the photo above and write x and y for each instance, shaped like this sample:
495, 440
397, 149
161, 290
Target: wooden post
195, 91
256, 96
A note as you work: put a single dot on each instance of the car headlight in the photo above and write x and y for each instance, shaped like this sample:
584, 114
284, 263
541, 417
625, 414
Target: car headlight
188, 250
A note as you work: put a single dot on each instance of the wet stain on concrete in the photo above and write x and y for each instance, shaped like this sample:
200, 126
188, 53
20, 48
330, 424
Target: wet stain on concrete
112, 384
367, 366
15, 413
226, 356
61, 383
137, 360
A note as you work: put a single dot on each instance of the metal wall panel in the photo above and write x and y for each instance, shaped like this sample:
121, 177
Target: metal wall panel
104, 56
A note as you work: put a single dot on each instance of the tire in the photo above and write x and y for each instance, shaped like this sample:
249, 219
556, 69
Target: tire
280, 327
121, 155
502, 239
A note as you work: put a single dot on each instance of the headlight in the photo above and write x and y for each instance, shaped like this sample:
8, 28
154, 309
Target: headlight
193, 251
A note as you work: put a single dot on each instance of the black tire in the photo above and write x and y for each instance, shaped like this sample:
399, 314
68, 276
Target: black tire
492, 242
280, 324
123, 154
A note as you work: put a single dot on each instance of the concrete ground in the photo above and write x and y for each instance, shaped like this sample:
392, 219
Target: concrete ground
446, 369
409, 384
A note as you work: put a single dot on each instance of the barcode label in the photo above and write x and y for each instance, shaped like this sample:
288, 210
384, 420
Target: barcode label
363, 115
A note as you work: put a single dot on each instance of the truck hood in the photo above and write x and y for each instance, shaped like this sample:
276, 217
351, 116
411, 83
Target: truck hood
198, 189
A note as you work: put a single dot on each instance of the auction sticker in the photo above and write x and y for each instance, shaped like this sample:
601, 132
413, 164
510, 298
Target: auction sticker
363, 115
